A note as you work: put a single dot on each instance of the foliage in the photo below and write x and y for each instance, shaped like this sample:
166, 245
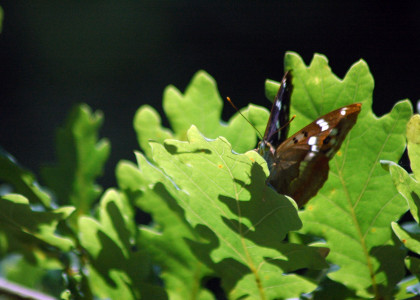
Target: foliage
212, 214
409, 187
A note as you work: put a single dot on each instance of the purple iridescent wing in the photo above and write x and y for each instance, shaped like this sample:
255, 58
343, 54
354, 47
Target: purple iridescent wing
277, 127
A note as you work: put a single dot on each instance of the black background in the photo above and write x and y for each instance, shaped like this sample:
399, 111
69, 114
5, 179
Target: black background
118, 55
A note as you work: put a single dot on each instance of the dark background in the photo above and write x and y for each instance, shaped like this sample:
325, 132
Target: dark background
118, 55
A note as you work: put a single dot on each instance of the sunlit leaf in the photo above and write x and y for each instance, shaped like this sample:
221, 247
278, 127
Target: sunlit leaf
354, 209
200, 105
224, 197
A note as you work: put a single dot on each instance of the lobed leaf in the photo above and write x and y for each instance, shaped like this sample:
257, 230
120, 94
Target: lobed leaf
32, 228
81, 158
224, 197
409, 187
147, 124
406, 184
413, 145
23, 181
200, 105
117, 267
410, 240
166, 241
354, 209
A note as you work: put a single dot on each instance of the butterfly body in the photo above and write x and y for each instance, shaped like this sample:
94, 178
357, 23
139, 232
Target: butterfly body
299, 164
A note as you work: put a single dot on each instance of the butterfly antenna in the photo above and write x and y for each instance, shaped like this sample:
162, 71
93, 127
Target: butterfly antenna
234, 106
288, 123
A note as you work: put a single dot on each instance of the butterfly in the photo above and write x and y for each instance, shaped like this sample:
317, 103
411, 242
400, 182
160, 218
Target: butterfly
299, 164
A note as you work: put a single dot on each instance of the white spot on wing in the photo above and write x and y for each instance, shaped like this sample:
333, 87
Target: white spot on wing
278, 104
312, 140
343, 111
323, 124
309, 156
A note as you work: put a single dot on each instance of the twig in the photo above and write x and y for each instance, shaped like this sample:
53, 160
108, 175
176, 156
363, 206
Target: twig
19, 292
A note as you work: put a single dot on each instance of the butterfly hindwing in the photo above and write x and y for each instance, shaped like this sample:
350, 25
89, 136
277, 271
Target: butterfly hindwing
299, 164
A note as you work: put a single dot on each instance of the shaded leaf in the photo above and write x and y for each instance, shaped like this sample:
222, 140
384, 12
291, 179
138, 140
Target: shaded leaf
32, 228
165, 242
80, 160
118, 269
23, 181
44, 276
331, 290
413, 264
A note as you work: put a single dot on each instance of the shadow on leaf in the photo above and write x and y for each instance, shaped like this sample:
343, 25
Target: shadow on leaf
270, 215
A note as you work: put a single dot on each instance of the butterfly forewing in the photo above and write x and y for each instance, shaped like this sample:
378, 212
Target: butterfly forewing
278, 123
277, 126
300, 164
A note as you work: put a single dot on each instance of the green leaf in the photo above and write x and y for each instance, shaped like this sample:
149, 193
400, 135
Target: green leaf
118, 269
406, 290
413, 264
413, 145
44, 275
224, 197
147, 124
271, 89
200, 105
20, 271
32, 228
22, 180
329, 290
354, 209
411, 285
81, 158
410, 240
166, 242
406, 184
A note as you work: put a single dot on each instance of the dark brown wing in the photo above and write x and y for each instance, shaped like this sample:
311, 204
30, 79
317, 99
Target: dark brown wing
277, 128
300, 166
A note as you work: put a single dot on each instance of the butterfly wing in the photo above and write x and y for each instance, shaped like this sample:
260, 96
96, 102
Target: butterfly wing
277, 126
300, 164
279, 115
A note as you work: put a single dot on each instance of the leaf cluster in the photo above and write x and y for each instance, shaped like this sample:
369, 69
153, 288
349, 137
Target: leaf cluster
211, 214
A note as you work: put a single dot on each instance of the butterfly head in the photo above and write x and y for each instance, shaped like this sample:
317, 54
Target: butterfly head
266, 150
